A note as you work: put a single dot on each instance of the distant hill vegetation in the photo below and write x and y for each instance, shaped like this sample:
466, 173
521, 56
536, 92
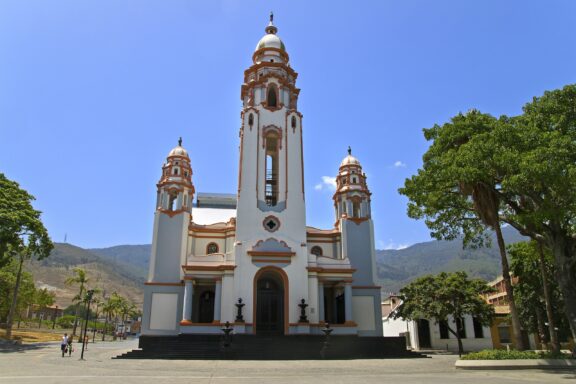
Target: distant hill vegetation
396, 268
106, 275
124, 268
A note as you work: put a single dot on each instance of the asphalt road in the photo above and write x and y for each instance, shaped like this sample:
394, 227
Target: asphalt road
43, 364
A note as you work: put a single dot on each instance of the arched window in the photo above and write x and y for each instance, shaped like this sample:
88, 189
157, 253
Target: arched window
211, 248
251, 120
271, 100
355, 208
172, 201
176, 171
316, 250
293, 121
271, 189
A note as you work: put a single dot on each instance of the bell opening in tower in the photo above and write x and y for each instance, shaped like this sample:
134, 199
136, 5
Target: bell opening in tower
271, 190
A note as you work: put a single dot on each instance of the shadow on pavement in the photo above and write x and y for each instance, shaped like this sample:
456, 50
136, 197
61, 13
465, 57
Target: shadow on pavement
8, 347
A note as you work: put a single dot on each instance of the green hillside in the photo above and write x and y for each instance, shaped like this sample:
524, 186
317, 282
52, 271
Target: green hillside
396, 268
107, 275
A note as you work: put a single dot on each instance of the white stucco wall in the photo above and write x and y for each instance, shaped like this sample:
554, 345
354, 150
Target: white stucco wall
163, 311
363, 312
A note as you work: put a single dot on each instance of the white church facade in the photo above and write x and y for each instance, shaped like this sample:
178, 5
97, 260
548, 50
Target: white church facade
263, 270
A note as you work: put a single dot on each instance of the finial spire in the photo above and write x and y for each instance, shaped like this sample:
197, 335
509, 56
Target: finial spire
271, 29
180, 141
349, 150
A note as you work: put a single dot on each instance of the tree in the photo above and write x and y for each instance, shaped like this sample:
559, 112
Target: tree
457, 190
22, 234
446, 295
111, 308
26, 291
81, 279
42, 299
537, 291
540, 182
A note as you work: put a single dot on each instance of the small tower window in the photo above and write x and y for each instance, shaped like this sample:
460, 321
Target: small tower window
251, 120
272, 99
211, 248
355, 209
271, 189
176, 171
316, 250
172, 201
293, 122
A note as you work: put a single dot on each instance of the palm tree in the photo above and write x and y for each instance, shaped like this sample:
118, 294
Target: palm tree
110, 308
80, 278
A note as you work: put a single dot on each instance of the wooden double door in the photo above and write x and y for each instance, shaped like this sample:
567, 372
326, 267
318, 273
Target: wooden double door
269, 306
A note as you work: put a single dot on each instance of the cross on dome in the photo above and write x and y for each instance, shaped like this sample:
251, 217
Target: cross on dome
271, 28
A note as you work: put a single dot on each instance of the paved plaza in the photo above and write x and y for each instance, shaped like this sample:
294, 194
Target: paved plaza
43, 364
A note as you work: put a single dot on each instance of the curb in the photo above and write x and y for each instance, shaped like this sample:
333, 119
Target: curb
517, 364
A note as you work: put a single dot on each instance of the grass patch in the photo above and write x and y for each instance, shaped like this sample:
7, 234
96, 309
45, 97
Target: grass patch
499, 354
30, 336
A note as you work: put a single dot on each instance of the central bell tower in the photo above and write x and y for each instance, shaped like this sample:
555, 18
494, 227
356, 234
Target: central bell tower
270, 185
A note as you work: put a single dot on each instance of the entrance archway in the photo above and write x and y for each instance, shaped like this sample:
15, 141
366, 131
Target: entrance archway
271, 301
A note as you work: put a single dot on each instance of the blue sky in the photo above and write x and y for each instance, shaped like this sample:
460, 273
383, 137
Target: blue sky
95, 93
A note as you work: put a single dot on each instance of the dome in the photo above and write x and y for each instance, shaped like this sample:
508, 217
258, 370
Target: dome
179, 150
350, 160
270, 40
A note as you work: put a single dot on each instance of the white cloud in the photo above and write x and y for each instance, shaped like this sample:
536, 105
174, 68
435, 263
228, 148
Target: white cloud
328, 182
391, 245
399, 164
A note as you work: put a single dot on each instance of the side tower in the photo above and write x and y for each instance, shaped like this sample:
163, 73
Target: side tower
354, 220
270, 246
164, 289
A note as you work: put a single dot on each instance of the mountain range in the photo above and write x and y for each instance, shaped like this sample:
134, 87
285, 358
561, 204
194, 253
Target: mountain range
124, 268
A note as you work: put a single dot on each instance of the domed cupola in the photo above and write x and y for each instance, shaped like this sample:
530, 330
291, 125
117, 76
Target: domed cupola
270, 48
352, 197
175, 188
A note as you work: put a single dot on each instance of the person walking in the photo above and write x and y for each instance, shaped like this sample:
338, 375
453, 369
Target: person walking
70, 348
64, 344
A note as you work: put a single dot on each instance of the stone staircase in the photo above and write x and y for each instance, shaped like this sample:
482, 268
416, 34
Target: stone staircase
259, 347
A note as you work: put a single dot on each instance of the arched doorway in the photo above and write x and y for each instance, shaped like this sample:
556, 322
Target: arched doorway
270, 294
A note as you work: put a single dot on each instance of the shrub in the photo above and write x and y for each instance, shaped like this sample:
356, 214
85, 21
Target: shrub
66, 321
498, 354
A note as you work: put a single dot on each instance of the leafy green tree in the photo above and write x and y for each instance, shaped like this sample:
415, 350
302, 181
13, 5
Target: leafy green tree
43, 298
22, 235
80, 278
458, 189
443, 296
539, 162
537, 290
8, 276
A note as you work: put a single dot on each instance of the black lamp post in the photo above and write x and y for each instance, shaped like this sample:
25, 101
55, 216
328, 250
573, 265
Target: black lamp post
89, 295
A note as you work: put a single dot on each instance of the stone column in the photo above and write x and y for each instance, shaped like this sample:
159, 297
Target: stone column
348, 302
320, 301
217, 300
188, 294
